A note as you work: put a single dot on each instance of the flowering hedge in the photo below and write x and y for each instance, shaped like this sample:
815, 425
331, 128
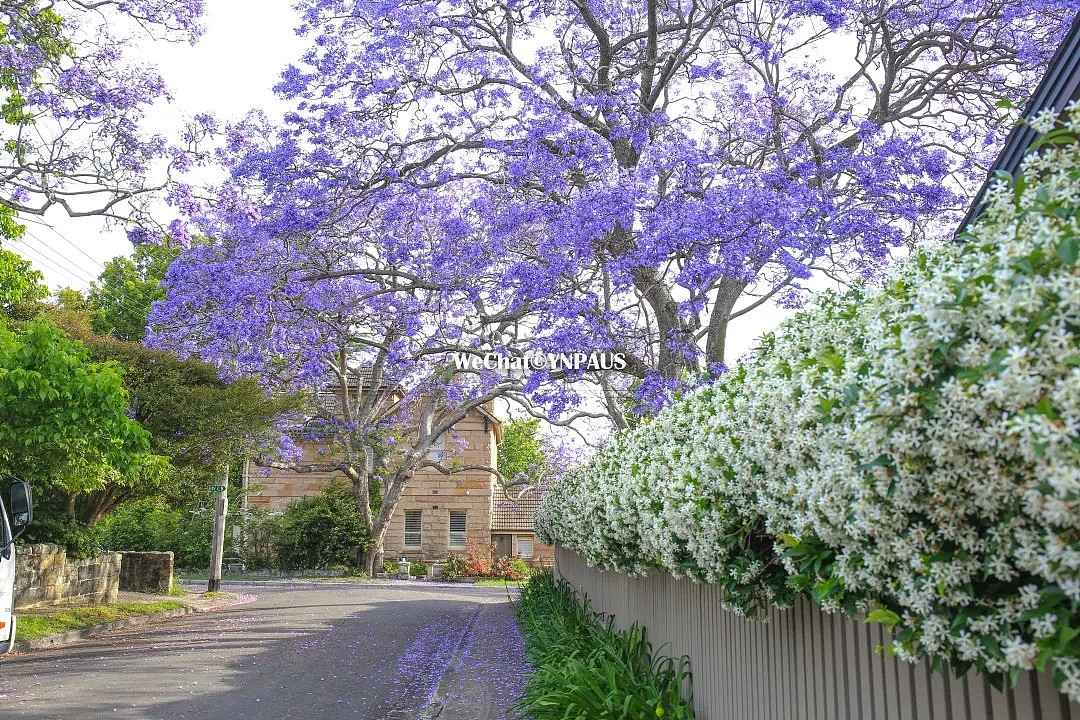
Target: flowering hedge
912, 450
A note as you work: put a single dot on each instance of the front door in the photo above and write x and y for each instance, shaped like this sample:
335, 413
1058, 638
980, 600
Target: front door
504, 545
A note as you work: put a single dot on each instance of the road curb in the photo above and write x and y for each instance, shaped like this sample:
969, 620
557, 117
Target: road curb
73, 636
306, 583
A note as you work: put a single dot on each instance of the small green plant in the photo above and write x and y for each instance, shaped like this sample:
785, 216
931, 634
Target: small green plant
455, 567
418, 569
516, 569
176, 590
389, 567
585, 668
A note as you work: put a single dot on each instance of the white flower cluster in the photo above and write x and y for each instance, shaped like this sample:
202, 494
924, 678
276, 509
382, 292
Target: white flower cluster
914, 446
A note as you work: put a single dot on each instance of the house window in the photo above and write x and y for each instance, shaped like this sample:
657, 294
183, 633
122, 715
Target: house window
457, 528
525, 546
413, 534
438, 449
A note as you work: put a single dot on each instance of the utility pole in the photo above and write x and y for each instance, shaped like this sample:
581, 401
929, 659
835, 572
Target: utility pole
217, 546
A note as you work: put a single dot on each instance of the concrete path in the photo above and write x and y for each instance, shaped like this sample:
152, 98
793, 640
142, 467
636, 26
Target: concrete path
314, 651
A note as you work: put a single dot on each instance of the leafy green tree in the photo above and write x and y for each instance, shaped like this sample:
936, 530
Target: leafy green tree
20, 283
154, 524
522, 456
196, 419
126, 289
66, 418
72, 300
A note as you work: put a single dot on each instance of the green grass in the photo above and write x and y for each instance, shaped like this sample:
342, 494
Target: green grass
499, 582
39, 623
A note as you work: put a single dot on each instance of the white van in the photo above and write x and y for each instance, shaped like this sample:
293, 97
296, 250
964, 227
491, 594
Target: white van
22, 512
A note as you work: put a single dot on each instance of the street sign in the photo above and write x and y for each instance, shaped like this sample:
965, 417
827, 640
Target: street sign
216, 488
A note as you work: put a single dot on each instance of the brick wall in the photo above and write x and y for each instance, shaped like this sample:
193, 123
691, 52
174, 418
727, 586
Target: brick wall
146, 571
44, 576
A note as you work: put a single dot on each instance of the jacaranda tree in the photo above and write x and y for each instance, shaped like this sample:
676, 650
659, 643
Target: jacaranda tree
655, 168
71, 108
571, 176
365, 318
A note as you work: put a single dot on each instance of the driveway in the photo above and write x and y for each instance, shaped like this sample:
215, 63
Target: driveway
298, 651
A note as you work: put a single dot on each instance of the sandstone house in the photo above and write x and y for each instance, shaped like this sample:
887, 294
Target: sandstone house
437, 514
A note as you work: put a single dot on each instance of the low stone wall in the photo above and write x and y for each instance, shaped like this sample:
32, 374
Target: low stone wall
44, 576
146, 571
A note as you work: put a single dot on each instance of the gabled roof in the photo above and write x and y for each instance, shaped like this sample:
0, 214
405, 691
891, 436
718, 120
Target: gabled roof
1060, 85
365, 377
514, 515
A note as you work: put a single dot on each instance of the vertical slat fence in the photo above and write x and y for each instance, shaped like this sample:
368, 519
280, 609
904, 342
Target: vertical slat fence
800, 664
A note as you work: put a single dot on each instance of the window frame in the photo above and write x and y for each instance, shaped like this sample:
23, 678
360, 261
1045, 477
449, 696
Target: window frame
463, 534
531, 539
437, 451
418, 532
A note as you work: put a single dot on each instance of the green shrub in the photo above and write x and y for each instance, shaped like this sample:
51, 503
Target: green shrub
319, 531
587, 669
77, 539
151, 525
518, 569
455, 567
506, 568
418, 569
260, 528
389, 567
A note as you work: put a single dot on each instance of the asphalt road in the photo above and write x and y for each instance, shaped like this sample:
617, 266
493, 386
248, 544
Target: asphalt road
321, 652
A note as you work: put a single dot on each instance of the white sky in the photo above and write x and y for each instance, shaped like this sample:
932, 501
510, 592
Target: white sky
229, 71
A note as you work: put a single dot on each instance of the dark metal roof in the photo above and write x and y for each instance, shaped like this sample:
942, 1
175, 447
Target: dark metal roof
1060, 85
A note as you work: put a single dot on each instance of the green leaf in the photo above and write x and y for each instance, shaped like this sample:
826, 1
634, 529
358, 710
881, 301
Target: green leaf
886, 617
1069, 250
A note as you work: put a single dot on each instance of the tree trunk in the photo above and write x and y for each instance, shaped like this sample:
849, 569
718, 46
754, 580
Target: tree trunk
371, 559
99, 503
367, 561
727, 295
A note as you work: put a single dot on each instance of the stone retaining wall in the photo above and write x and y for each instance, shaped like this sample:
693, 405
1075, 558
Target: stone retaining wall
146, 571
45, 576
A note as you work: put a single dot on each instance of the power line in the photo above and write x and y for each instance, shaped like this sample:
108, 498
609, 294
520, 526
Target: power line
30, 254
74, 268
76, 247
101, 289
72, 271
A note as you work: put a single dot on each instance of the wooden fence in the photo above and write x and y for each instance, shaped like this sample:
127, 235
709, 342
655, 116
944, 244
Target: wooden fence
800, 664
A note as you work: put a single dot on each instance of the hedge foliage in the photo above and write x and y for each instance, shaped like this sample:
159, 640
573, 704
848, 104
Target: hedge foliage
321, 531
910, 449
